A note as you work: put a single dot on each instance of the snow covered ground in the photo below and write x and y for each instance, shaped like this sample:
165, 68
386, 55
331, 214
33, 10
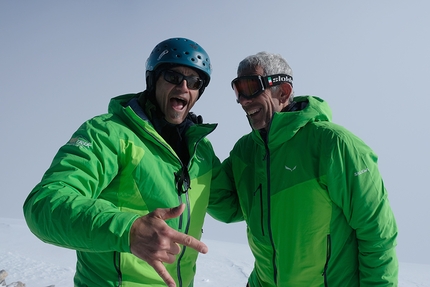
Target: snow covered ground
27, 259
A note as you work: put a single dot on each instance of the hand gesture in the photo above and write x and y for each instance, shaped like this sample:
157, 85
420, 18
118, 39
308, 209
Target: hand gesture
152, 240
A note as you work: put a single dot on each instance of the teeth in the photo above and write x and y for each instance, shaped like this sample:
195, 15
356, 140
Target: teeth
182, 100
251, 112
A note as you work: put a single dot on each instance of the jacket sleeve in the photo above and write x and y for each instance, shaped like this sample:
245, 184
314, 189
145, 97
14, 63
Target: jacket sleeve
224, 202
356, 186
65, 208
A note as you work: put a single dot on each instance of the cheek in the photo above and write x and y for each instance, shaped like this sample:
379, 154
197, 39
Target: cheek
273, 105
193, 99
161, 96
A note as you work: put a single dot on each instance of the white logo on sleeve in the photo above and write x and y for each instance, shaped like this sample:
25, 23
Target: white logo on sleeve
361, 172
79, 141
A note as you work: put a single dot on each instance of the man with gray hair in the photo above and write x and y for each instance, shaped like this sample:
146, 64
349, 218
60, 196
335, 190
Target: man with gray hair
315, 204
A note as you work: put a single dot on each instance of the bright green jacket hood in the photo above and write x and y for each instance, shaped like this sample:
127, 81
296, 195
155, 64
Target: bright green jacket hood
115, 168
314, 202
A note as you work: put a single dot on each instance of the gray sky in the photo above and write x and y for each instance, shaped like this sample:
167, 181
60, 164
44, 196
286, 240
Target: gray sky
62, 61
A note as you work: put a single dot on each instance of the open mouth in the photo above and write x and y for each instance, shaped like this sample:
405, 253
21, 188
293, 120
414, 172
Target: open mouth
178, 103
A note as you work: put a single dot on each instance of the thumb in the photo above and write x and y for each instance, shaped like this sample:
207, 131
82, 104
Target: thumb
173, 212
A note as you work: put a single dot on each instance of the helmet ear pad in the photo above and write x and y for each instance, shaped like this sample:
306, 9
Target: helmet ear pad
149, 80
152, 76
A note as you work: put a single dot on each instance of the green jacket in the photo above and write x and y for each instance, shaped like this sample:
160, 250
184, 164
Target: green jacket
315, 205
114, 169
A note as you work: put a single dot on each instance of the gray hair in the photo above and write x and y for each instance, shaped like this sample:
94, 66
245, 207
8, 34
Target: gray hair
270, 63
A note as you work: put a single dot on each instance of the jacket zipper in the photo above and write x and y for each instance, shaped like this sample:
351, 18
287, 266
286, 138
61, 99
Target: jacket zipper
259, 189
178, 266
269, 225
181, 221
180, 217
117, 264
327, 260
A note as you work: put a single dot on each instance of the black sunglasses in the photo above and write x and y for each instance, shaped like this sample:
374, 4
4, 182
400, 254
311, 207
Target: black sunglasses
252, 86
173, 77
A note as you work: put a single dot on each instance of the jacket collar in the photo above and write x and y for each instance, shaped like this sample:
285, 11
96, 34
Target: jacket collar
287, 123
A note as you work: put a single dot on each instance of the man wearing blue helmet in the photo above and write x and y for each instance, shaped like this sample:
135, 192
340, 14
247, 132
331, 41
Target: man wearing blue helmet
129, 190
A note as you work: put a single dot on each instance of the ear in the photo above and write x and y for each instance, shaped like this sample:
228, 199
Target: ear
286, 92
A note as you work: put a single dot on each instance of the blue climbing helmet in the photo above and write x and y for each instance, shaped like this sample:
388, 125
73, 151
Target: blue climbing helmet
178, 51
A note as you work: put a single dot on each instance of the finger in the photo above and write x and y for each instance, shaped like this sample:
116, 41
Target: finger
170, 258
162, 256
167, 213
166, 257
161, 270
174, 248
190, 241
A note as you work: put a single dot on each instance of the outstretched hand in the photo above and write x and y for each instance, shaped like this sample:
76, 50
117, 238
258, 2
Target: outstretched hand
152, 240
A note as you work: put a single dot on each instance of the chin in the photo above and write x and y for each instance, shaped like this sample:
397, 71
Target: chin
258, 127
175, 120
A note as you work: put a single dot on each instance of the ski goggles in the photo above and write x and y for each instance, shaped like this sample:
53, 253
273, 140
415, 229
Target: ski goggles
173, 77
252, 86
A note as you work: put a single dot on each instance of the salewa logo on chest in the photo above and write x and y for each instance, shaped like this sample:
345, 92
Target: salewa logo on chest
290, 169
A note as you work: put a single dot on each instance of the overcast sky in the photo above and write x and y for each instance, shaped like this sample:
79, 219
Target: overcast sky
62, 61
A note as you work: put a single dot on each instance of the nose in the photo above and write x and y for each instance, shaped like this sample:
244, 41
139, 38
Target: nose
243, 101
182, 85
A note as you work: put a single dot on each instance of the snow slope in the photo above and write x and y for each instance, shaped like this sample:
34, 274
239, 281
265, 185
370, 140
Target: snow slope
37, 264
